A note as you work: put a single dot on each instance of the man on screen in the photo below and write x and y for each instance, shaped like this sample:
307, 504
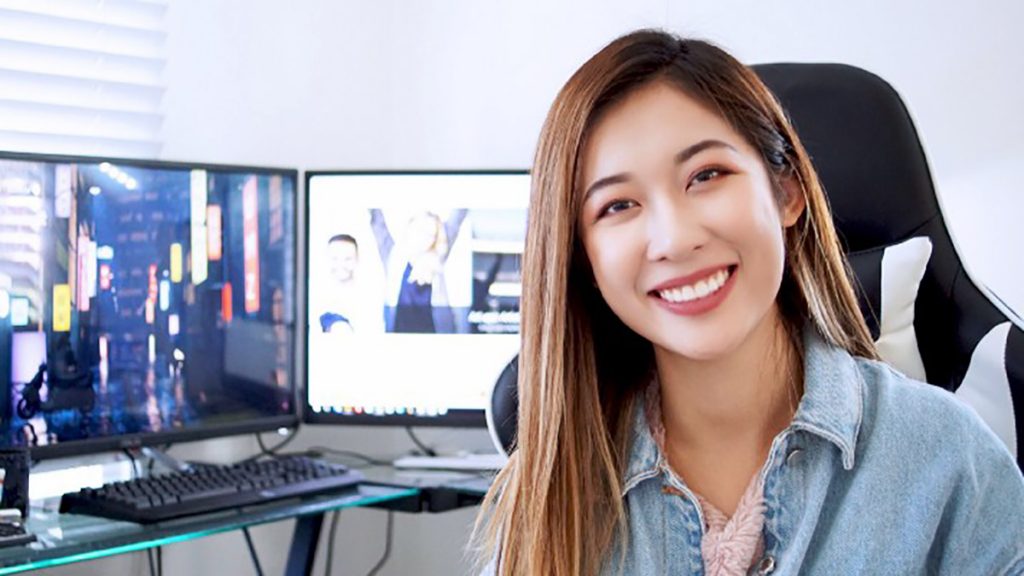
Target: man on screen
342, 312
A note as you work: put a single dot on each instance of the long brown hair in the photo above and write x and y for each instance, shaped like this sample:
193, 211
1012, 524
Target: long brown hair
556, 509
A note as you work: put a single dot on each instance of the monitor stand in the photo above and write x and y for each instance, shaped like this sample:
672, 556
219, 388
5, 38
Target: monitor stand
165, 459
469, 462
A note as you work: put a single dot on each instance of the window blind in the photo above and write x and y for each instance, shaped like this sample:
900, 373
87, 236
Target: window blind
82, 76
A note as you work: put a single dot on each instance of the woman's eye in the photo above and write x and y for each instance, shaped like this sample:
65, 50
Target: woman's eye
707, 175
616, 207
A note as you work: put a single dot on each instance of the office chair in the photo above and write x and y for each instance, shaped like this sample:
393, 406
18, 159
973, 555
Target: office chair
930, 319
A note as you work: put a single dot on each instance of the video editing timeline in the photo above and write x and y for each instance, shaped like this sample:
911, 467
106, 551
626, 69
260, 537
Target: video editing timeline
413, 293
142, 298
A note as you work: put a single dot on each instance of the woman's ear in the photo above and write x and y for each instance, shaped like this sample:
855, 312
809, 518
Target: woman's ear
794, 201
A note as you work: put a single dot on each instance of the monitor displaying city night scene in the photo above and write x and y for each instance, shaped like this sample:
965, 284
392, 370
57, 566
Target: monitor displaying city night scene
143, 299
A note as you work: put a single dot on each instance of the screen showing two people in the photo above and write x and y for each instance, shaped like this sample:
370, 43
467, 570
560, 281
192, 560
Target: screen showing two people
414, 284
141, 299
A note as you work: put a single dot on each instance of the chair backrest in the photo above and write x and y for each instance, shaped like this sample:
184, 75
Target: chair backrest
865, 148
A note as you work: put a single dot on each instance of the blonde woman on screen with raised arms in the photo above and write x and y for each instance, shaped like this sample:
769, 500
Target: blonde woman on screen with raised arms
699, 393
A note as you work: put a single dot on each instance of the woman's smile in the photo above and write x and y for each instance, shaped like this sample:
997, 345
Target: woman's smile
687, 297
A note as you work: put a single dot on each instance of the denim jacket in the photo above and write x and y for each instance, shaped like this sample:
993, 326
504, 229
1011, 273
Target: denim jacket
876, 474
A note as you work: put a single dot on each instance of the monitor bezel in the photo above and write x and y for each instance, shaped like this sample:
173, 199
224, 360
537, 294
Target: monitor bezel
453, 419
202, 432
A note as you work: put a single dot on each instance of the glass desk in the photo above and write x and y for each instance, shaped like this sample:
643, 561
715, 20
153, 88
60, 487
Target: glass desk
438, 490
67, 538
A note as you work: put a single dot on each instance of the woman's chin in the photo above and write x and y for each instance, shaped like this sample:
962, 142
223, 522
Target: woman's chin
698, 349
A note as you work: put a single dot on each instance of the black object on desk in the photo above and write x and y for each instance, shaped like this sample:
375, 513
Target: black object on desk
15, 463
12, 533
438, 490
210, 487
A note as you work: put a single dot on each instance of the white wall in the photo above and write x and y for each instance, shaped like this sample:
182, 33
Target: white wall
466, 84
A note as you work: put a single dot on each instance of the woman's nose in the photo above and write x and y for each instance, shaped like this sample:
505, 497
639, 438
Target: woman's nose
673, 231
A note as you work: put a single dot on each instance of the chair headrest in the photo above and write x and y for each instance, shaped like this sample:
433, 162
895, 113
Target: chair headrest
875, 174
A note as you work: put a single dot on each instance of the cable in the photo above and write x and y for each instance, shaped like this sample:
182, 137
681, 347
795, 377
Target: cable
252, 552
319, 451
387, 545
135, 471
316, 452
152, 567
264, 451
330, 542
270, 451
423, 447
370, 460
160, 561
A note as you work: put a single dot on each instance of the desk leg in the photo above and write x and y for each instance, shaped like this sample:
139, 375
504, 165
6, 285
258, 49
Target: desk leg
304, 543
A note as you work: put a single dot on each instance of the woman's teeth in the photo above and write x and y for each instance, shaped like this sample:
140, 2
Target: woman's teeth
701, 289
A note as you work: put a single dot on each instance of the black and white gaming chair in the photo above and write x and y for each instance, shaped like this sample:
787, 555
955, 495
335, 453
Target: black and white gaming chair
930, 319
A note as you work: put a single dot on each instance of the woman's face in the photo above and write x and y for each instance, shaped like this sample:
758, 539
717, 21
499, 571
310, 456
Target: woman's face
680, 224
422, 232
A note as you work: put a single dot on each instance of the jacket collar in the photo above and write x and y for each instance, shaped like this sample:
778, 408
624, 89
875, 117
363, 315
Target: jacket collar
831, 408
833, 403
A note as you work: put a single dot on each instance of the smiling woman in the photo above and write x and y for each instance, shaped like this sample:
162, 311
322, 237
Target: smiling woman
699, 392
692, 201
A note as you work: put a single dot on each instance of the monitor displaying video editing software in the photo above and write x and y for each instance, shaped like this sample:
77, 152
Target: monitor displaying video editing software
143, 302
412, 293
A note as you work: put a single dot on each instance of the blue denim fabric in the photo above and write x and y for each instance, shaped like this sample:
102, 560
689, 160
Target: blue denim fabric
876, 474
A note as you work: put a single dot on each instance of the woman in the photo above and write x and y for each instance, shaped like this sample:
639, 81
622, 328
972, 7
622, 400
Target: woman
699, 393
417, 267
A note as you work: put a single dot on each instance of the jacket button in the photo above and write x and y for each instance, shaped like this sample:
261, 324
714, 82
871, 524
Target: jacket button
795, 456
766, 566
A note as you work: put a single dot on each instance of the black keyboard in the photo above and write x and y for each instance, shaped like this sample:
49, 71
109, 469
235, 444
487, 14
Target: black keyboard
209, 487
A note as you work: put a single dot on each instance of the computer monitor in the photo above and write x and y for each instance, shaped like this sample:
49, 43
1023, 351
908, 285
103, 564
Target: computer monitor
412, 294
143, 302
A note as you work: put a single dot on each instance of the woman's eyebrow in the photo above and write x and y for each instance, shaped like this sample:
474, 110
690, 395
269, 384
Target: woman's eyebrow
690, 151
681, 157
605, 182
